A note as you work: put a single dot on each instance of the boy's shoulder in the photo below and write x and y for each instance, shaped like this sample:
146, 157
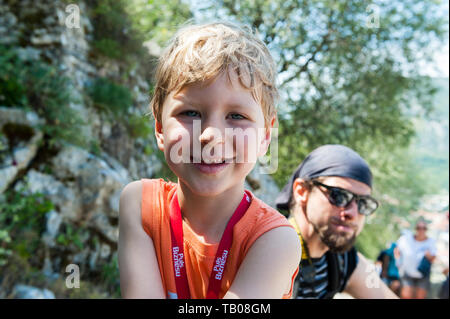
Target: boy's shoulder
262, 210
141, 196
130, 206
261, 219
131, 189
134, 189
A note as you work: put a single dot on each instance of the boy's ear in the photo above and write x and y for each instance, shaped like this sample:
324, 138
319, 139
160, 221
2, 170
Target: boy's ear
159, 135
265, 142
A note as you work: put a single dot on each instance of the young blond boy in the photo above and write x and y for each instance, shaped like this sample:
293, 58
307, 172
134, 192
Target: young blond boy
210, 79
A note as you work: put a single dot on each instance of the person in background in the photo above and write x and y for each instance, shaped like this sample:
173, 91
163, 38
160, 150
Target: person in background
389, 271
443, 293
416, 253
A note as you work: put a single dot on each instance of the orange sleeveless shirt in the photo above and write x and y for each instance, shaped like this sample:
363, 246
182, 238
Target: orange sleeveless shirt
199, 256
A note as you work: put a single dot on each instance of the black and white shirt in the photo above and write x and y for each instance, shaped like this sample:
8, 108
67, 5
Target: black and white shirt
321, 287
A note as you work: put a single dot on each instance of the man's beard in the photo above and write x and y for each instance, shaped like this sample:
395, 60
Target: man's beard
337, 243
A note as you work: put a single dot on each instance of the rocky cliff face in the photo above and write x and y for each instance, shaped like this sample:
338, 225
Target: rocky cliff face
83, 181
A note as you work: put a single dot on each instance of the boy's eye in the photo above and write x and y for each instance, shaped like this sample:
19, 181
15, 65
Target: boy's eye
236, 116
191, 113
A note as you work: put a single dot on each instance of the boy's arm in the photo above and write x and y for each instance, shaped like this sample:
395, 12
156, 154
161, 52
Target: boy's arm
365, 283
267, 270
138, 265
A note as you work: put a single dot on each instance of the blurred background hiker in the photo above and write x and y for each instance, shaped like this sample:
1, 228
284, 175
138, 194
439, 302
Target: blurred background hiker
443, 291
389, 270
417, 252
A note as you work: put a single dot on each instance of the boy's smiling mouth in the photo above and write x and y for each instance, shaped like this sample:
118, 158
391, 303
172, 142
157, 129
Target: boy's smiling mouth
211, 161
213, 168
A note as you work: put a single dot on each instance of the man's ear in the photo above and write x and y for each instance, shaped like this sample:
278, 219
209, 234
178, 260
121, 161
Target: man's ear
267, 138
159, 135
300, 191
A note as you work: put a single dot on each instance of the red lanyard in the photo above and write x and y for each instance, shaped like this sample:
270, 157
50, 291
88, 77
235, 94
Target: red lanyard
179, 269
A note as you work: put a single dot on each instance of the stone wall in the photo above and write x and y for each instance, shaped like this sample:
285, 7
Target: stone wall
83, 186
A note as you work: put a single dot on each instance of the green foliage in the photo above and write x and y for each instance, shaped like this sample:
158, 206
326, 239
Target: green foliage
4, 149
46, 90
110, 276
399, 189
19, 269
5, 239
110, 97
70, 236
115, 100
431, 145
139, 126
339, 79
24, 212
22, 221
158, 20
342, 81
114, 35
12, 69
108, 47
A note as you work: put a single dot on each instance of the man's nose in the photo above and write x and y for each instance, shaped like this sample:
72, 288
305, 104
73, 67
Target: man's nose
350, 211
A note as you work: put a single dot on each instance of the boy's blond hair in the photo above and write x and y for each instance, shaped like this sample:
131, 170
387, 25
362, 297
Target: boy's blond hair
201, 52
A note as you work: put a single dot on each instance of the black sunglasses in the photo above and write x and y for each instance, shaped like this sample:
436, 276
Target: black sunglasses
342, 198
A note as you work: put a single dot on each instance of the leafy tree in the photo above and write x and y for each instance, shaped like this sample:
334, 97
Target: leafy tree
349, 73
158, 20
346, 75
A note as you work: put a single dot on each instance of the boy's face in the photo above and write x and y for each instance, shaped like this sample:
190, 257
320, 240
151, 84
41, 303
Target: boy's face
211, 134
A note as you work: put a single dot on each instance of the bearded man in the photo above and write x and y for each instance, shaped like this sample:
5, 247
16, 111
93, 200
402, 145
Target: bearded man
328, 198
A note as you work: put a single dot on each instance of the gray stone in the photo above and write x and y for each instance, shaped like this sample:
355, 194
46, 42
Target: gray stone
72, 160
29, 53
101, 223
9, 32
114, 200
81, 257
98, 180
52, 228
64, 198
93, 257
23, 153
53, 223
19, 116
29, 292
47, 270
105, 251
262, 186
41, 37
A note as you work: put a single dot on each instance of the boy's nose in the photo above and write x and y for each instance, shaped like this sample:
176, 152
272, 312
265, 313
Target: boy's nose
211, 134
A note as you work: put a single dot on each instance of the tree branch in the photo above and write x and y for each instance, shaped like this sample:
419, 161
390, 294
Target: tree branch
304, 67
